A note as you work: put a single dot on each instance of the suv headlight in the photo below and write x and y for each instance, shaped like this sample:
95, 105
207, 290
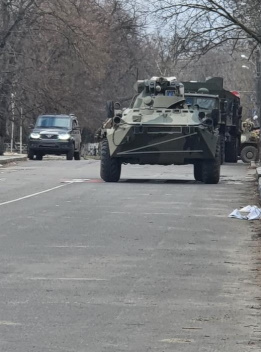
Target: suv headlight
64, 136
35, 135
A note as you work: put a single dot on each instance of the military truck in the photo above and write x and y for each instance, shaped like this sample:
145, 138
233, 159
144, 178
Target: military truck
249, 150
230, 111
160, 128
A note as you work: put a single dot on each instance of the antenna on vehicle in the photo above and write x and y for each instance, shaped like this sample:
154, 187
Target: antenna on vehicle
137, 75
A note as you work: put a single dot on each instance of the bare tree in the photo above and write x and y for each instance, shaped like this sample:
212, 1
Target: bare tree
205, 24
68, 56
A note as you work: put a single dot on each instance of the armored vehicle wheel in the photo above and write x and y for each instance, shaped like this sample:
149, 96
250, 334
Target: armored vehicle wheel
222, 149
39, 157
77, 156
211, 168
110, 167
70, 154
249, 153
231, 150
30, 154
198, 171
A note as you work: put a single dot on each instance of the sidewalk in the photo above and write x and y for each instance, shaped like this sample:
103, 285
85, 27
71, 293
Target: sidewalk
12, 157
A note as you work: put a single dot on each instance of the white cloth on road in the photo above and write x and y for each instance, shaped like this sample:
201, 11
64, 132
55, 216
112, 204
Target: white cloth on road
254, 213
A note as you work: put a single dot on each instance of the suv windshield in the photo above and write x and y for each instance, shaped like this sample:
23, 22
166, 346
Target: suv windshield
53, 121
202, 102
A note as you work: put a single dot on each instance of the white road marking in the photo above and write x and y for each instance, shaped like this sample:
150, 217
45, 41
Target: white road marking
9, 323
65, 279
77, 180
34, 194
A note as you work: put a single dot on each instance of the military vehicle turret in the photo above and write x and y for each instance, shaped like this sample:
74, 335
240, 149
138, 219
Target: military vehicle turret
160, 128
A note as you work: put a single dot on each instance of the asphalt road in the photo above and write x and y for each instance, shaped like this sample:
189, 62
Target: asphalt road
151, 263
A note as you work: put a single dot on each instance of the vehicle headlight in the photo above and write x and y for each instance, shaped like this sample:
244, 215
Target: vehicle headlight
35, 135
64, 136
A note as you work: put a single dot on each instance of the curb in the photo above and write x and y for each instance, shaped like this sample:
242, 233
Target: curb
14, 159
258, 172
258, 177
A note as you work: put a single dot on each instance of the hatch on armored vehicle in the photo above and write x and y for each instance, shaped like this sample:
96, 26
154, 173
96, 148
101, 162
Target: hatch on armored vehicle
160, 127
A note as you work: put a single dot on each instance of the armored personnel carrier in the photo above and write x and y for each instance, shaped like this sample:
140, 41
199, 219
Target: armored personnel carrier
160, 128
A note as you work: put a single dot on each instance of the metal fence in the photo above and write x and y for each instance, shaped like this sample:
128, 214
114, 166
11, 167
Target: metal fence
16, 148
90, 149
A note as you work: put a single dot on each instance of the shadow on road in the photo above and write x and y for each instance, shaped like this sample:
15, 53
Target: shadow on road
156, 181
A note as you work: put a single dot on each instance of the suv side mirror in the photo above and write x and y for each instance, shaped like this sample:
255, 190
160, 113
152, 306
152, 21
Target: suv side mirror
31, 126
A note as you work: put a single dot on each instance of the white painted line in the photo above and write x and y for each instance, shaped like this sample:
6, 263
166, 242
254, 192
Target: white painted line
77, 180
9, 323
33, 195
65, 279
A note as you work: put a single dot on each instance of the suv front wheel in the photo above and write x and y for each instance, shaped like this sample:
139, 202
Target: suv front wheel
77, 156
30, 154
70, 154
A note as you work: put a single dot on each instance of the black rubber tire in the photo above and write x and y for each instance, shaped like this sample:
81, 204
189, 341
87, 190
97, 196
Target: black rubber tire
222, 148
70, 154
211, 168
198, 171
110, 167
249, 153
39, 157
30, 154
77, 156
2, 146
231, 151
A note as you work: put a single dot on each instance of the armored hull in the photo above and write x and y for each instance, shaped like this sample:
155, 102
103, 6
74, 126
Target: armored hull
163, 145
160, 128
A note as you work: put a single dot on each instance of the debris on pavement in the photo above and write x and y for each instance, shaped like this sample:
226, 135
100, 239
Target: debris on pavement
254, 213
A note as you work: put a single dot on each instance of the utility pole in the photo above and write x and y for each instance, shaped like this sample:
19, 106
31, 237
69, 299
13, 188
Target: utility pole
12, 121
21, 132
